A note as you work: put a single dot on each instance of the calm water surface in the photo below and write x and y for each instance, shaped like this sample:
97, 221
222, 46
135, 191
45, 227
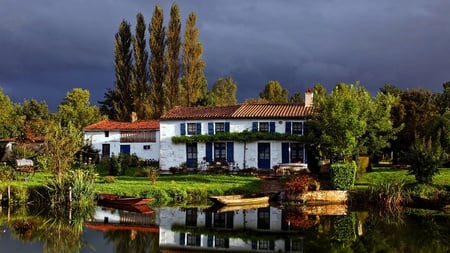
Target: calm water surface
265, 229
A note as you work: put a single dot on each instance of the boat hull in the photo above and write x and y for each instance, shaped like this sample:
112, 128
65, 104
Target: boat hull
111, 199
239, 200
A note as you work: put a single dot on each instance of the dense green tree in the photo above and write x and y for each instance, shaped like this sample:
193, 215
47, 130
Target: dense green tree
118, 103
206, 98
380, 128
274, 93
224, 91
414, 111
9, 126
36, 115
157, 68
443, 100
319, 92
77, 110
391, 89
425, 156
342, 118
192, 63
173, 44
141, 76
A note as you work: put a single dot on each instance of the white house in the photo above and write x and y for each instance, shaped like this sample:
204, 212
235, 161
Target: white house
139, 137
261, 154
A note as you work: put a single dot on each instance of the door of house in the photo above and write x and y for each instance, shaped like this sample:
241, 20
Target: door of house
264, 155
125, 149
191, 155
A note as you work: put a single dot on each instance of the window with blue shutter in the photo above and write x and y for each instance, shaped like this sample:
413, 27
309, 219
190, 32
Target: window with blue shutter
199, 128
288, 127
255, 126
227, 127
229, 218
230, 151
272, 127
285, 152
182, 239
182, 129
210, 128
208, 152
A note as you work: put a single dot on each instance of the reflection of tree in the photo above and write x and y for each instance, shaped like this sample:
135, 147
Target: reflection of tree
127, 241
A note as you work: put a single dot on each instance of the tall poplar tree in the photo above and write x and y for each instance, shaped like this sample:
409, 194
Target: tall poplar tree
118, 103
173, 43
193, 64
157, 36
141, 77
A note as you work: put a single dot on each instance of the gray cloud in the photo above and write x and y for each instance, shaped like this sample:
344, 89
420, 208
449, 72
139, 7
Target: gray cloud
49, 47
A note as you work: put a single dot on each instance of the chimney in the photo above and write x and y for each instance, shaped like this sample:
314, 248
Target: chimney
133, 117
309, 95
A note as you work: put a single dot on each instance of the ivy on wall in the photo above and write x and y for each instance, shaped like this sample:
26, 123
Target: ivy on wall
245, 136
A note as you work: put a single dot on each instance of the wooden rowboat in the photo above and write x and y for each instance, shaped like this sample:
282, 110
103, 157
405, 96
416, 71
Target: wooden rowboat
240, 200
111, 199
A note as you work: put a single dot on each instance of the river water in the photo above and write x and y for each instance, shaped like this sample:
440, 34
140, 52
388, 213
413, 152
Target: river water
207, 229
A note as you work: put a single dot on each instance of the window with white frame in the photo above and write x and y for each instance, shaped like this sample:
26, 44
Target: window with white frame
192, 128
220, 127
220, 151
263, 126
297, 128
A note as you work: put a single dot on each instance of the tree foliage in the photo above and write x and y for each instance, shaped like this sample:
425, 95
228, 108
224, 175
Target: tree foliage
36, 115
77, 110
141, 77
8, 123
224, 91
173, 43
342, 119
273, 93
192, 63
61, 145
425, 157
157, 69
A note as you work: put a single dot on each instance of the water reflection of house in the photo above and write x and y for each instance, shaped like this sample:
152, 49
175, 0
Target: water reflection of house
242, 231
111, 219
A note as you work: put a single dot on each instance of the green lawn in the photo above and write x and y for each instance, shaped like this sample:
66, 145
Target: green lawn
385, 174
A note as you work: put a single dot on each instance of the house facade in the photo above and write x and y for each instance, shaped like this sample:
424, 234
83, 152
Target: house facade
139, 137
263, 118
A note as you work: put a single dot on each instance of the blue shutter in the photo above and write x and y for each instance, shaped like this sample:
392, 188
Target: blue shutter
288, 127
230, 151
209, 152
182, 129
271, 245
210, 128
199, 128
210, 241
272, 127
255, 126
227, 127
285, 152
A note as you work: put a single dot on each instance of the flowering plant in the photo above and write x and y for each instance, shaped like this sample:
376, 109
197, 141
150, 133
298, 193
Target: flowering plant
301, 183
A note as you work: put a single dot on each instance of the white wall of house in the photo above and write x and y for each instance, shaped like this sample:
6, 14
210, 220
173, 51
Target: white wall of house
172, 155
98, 138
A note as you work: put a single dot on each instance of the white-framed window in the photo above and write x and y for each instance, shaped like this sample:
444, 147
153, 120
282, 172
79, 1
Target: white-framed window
220, 127
263, 126
192, 128
297, 128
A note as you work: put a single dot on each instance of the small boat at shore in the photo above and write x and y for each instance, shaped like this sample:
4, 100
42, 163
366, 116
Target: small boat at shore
240, 200
115, 200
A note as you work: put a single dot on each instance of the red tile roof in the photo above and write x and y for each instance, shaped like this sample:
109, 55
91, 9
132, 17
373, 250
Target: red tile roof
243, 111
109, 125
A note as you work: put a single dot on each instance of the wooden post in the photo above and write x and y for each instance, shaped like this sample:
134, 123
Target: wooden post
9, 194
70, 195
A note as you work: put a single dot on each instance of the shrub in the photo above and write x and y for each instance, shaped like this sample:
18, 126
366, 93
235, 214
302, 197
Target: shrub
301, 183
389, 195
342, 175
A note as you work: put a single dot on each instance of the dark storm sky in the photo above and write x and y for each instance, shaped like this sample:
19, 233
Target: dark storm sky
49, 47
